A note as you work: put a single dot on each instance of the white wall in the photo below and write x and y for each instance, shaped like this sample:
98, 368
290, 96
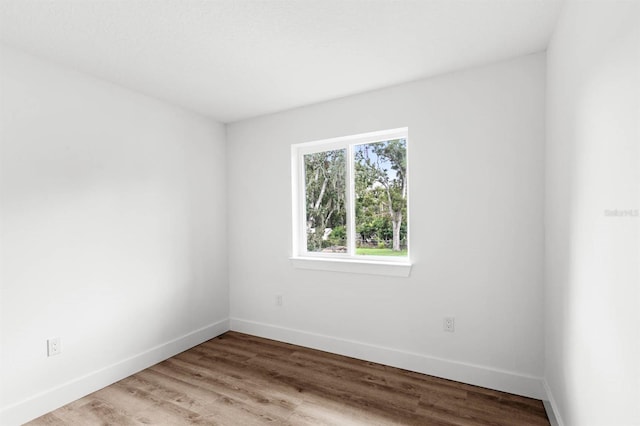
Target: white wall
592, 261
113, 233
476, 179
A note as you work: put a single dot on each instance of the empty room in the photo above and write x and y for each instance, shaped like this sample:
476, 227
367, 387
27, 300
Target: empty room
320, 212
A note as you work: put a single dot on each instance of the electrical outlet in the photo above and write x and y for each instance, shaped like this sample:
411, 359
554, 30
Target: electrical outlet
278, 300
449, 324
53, 346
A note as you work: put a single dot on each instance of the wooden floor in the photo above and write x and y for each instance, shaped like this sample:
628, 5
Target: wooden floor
236, 379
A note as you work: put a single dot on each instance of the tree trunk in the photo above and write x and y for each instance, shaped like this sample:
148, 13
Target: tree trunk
316, 206
396, 222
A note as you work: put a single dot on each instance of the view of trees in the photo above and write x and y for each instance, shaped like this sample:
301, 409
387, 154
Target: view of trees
380, 193
326, 194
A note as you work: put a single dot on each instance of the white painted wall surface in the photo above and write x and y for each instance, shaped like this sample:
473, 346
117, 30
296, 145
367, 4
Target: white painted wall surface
592, 307
476, 142
112, 233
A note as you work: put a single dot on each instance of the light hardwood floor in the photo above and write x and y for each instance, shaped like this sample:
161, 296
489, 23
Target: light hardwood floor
237, 379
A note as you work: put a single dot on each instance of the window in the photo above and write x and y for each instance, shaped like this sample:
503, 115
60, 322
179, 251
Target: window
350, 201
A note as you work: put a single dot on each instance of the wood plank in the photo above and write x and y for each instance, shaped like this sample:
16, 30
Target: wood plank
238, 379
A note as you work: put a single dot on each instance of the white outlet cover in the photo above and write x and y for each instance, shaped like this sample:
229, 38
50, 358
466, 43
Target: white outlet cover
53, 346
449, 324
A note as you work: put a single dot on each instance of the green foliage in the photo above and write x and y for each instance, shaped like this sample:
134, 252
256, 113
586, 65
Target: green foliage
338, 236
374, 226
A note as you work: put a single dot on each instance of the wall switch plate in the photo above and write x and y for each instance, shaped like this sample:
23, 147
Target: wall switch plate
53, 346
278, 300
449, 324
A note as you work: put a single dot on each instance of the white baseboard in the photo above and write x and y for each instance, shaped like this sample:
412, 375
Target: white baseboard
478, 375
44, 402
551, 406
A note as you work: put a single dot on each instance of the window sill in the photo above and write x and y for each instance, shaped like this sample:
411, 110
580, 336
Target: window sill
364, 266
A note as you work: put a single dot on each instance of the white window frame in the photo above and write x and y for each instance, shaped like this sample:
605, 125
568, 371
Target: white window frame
341, 262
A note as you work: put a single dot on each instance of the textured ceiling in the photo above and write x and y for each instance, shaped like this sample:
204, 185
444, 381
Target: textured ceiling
235, 59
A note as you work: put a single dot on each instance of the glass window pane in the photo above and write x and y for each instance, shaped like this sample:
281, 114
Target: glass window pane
381, 198
326, 195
